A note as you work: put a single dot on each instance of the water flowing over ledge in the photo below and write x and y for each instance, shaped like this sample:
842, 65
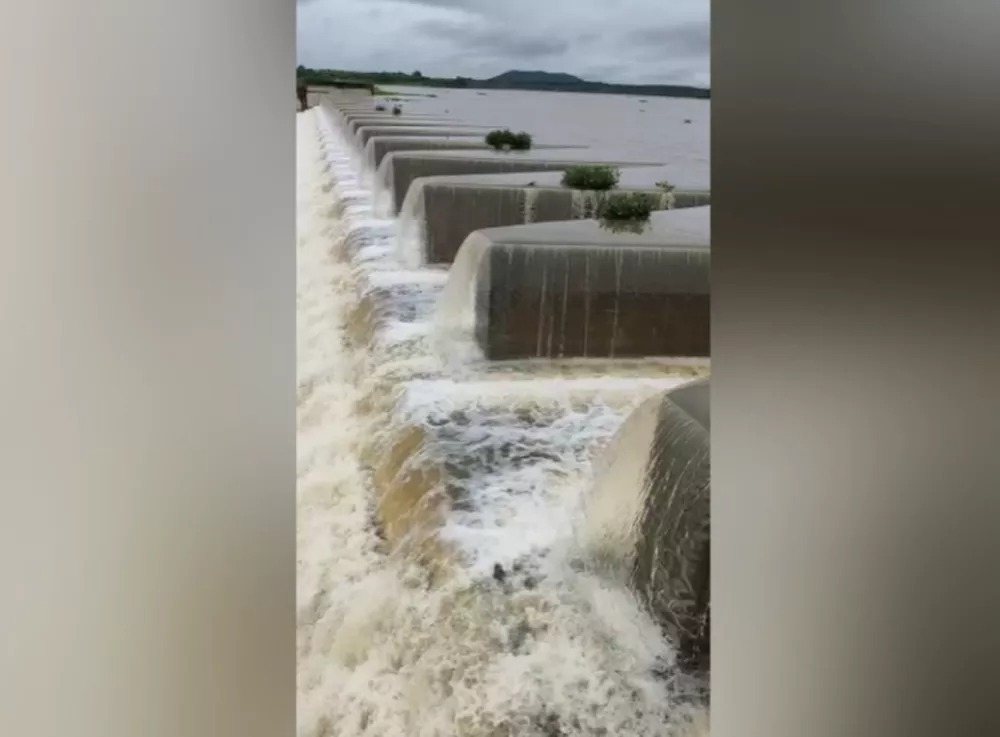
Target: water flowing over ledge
439, 591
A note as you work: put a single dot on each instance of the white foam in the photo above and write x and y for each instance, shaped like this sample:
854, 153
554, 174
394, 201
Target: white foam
382, 653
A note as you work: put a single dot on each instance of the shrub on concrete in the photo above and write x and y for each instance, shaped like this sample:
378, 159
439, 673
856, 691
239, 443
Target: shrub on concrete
665, 186
629, 206
625, 226
499, 138
508, 139
521, 142
591, 177
380, 108
397, 110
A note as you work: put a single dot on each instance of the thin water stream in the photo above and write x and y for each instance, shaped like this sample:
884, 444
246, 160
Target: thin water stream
439, 506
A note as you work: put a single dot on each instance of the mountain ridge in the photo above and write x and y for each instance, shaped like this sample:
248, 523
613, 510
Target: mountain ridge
535, 76
513, 79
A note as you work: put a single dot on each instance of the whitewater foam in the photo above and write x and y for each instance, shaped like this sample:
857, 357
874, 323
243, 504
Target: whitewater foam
383, 649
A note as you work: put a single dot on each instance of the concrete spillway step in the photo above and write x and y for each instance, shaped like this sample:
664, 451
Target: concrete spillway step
579, 290
352, 123
378, 147
353, 114
647, 517
399, 170
370, 110
367, 132
440, 212
445, 446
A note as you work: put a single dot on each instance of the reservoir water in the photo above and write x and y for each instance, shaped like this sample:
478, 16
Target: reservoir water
674, 131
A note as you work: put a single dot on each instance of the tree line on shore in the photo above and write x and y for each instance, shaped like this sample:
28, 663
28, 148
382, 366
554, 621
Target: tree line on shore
512, 80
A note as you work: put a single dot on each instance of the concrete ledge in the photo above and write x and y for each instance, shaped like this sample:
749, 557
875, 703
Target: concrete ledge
576, 290
648, 513
632, 177
366, 132
440, 212
361, 110
354, 123
443, 442
347, 117
378, 147
360, 105
401, 298
399, 170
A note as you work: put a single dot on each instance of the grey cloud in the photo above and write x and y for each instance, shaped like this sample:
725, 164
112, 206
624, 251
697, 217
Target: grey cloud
467, 5
652, 42
497, 41
681, 75
679, 41
599, 72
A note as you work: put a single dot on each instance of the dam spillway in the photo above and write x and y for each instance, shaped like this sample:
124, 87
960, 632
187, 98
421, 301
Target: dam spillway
365, 132
572, 289
378, 147
441, 497
442, 210
653, 485
399, 170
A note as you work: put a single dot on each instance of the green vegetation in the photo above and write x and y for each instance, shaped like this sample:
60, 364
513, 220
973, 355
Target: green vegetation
627, 206
616, 211
397, 110
512, 80
380, 108
331, 78
507, 139
591, 177
521, 142
625, 226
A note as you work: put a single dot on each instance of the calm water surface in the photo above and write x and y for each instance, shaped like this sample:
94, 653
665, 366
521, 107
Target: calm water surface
618, 127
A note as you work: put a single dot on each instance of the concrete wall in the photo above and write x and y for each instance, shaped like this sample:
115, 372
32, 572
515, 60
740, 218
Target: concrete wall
355, 122
371, 112
366, 132
349, 115
637, 177
378, 147
399, 170
565, 290
648, 515
672, 562
450, 212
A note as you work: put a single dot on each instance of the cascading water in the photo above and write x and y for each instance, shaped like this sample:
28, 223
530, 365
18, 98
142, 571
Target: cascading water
438, 593
412, 230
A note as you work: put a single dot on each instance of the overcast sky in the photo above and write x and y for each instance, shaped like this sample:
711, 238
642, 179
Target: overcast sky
630, 41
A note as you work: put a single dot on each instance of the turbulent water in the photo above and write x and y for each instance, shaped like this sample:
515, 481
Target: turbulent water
457, 605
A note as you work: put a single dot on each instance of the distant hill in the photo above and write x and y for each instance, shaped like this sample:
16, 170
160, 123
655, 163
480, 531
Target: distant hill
516, 77
560, 82
511, 80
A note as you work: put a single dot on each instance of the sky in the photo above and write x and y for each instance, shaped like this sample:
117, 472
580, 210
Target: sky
625, 41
